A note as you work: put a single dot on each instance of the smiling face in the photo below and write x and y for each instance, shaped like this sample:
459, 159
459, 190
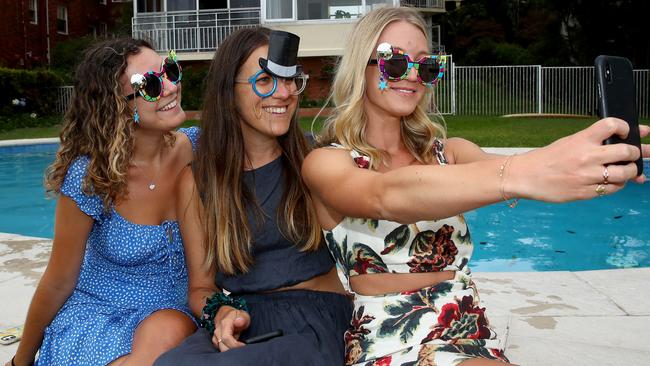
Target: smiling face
401, 97
164, 114
268, 117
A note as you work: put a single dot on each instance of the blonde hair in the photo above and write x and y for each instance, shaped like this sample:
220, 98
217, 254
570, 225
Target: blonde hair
347, 125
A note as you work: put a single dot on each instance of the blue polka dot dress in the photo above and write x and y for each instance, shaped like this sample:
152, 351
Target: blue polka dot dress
128, 272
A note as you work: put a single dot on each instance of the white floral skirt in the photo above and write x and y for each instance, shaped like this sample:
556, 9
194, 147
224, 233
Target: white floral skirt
438, 325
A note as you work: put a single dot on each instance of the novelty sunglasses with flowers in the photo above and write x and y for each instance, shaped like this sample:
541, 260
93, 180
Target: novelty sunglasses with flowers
395, 64
150, 85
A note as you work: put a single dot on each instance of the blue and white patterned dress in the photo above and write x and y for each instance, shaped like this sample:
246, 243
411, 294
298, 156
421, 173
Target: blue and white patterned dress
128, 272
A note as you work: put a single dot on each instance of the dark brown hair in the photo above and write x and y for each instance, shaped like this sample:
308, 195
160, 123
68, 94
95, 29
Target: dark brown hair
221, 160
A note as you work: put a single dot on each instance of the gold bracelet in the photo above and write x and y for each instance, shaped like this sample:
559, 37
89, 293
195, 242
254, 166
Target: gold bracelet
502, 170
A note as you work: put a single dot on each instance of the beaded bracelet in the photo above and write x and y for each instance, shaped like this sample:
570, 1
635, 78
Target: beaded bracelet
213, 304
505, 198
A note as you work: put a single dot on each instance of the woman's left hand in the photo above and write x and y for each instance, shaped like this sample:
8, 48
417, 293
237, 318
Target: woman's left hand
229, 324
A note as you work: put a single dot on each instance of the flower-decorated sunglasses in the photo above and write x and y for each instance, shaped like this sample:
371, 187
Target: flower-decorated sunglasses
150, 85
264, 85
394, 65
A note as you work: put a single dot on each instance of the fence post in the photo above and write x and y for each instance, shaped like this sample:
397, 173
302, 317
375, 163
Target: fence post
453, 87
539, 89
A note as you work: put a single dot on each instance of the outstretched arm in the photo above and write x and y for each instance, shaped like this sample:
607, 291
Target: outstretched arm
569, 169
71, 230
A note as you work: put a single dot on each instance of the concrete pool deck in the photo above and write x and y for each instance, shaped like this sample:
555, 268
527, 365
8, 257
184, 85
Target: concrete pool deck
543, 318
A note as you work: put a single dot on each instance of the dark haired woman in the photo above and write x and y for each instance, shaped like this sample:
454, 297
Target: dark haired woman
263, 243
115, 288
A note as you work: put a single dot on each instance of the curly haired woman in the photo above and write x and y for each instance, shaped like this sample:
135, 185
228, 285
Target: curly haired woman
115, 289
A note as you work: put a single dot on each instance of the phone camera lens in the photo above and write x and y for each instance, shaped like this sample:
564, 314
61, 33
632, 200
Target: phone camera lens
608, 73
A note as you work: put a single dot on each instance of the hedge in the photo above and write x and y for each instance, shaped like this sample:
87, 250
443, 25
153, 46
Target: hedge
37, 88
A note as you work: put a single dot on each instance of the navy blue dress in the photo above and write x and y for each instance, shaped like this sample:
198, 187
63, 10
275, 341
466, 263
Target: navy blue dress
313, 322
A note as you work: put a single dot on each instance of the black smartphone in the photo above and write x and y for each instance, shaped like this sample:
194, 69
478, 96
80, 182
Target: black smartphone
263, 337
616, 98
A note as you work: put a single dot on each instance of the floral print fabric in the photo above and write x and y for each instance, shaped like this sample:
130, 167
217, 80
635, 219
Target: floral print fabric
438, 325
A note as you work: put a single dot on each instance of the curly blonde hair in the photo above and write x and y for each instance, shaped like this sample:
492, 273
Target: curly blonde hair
99, 123
347, 125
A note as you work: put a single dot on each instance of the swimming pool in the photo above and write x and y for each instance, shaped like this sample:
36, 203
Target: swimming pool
608, 232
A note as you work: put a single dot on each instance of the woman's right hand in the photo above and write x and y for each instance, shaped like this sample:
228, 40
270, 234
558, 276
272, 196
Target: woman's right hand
575, 167
229, 324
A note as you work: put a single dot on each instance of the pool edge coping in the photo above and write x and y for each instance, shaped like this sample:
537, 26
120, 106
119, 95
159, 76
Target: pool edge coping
23, 142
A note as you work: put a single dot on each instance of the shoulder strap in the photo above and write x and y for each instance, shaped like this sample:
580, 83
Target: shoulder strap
361, 160
439, 151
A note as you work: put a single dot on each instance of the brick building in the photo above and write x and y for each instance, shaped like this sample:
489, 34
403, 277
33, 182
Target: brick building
30, 29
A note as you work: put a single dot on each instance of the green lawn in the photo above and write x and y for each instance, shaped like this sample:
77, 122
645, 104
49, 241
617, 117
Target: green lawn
485, 131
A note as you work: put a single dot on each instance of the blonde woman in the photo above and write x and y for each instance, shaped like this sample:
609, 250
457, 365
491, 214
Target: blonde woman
390, 189
115, 288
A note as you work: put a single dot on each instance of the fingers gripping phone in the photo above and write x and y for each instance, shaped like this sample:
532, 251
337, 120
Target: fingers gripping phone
616, 98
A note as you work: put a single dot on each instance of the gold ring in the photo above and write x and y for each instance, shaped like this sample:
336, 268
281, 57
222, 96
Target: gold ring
605, 176
601, 190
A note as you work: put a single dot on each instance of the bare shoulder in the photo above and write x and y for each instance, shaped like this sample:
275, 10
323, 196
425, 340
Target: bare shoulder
326, 157
460, 150
183, 147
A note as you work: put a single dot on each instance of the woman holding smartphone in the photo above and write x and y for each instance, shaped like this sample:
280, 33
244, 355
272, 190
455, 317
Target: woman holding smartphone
262, 240
390, 189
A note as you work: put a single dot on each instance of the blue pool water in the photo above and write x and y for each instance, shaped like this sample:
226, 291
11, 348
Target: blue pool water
608, 232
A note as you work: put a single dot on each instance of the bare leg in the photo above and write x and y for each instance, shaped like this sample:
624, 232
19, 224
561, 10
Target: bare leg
158, 333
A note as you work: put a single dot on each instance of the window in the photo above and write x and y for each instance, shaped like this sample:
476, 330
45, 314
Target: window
181, 5
62, 19
244, 4
33, 11
279, 9
103, 2
149, 6
320, 9
330, 9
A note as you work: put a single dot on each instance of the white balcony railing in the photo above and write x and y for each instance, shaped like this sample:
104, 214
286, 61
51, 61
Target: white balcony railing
192, 31
433, 4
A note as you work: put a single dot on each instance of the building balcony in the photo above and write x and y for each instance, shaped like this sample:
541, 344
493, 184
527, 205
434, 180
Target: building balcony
197, 31
196, 34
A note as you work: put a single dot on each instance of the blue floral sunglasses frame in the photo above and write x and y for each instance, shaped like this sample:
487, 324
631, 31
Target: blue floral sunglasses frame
395, 64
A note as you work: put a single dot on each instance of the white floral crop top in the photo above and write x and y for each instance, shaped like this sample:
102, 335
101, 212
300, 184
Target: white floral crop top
362, 246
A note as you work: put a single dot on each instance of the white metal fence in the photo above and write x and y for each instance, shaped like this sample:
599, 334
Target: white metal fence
499, 90
64, 94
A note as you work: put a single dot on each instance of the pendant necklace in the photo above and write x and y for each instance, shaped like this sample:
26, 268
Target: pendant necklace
152, 180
